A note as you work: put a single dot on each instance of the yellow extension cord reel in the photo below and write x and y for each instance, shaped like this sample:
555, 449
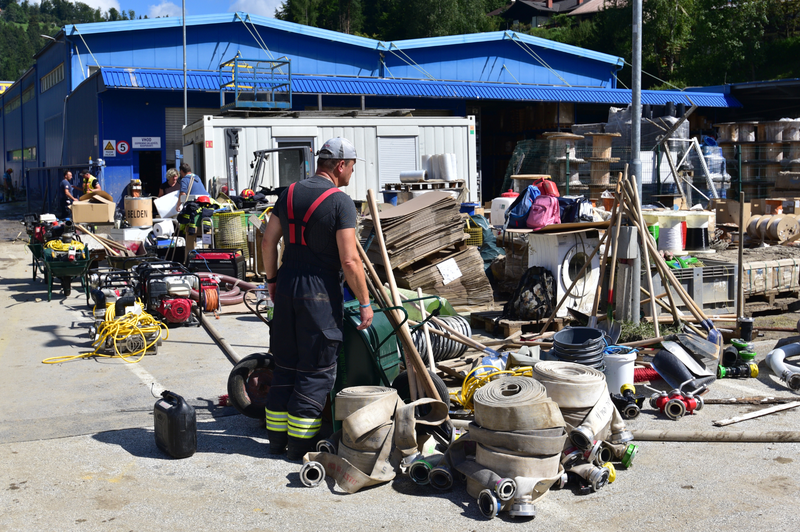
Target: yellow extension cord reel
128, 336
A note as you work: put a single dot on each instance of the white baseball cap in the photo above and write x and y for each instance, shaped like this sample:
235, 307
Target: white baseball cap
338, 148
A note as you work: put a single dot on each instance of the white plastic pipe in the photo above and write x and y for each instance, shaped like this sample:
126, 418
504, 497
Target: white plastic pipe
787, 372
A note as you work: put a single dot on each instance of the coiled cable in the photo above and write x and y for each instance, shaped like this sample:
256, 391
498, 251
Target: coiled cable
116, 330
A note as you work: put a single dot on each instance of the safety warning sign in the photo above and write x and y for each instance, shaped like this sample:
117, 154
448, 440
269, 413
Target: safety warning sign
109, 148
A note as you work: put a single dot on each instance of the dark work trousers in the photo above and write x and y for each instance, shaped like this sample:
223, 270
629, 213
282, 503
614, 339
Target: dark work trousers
305, 336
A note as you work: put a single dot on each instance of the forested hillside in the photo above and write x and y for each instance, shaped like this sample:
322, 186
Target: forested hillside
685, 42
23, 23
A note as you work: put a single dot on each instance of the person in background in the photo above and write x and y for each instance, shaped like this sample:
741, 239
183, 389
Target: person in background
191, 185
89, 182
65, 192
171, 184
317, 223
8, 186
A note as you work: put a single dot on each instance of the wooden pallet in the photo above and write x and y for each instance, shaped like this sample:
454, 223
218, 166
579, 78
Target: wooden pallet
505, 328
425, 185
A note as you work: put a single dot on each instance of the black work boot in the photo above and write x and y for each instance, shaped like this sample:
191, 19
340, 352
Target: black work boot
277, 441
298, 447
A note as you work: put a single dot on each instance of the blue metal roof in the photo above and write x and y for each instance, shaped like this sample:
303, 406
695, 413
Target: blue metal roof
451, 40
120, 78
225, 18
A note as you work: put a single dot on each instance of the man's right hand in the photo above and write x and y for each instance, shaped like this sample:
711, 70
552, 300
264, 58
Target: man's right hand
366, 318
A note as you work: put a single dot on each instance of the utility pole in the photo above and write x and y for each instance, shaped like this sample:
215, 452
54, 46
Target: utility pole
636, 144
185, 95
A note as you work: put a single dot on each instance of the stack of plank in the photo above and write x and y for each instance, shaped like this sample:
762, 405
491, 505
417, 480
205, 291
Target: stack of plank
425, 241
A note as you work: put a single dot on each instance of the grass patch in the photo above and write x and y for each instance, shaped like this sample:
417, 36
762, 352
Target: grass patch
644, 331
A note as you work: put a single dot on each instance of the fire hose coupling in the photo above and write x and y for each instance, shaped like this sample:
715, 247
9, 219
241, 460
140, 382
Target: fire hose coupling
326, 446
597, 477
627, 403
624, 436
441, 478
792, 379
622, 453
612, 472
312, 474
582, 438
740, 371
488, 504
522, 508
420, 471
742, 345
505, 489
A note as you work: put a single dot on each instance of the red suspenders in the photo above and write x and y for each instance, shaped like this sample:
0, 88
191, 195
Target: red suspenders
307, 217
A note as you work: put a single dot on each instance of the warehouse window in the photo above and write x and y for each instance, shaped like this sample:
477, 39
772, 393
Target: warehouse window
29, 154
395, 155
27, 94
12, 104
52, 78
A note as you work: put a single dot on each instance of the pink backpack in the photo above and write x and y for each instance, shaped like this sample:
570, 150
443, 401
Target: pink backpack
544, 211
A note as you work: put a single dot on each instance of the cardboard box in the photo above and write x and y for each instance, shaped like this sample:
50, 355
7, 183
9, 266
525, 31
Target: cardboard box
727, 211
95, 210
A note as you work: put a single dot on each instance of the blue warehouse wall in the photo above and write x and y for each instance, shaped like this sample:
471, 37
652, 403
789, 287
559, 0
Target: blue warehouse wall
124, 114
81, 124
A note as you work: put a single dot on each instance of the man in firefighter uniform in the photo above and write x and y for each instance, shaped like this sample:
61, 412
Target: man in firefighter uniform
317, 222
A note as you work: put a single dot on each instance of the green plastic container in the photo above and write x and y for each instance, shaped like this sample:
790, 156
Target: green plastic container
361, 361
654, 230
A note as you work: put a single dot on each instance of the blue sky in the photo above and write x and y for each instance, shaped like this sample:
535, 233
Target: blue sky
155, 8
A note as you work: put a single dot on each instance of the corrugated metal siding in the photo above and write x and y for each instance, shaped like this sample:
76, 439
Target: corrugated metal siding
53, 135
120, 78
82, 127
173, 117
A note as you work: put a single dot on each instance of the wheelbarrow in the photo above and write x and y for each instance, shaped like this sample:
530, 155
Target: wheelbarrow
37, 251
370, 357
65, 271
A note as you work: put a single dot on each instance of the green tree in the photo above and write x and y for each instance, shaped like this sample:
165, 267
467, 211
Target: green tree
666, 34
728, 41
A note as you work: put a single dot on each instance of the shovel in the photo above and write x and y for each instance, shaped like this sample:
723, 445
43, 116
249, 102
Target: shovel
612, 331
686, 359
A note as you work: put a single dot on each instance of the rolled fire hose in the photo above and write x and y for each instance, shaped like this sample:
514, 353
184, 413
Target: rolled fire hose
583, 397
518, 435
787, 372
377, 431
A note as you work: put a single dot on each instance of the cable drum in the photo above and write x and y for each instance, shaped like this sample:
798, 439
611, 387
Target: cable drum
443, 348
581, 345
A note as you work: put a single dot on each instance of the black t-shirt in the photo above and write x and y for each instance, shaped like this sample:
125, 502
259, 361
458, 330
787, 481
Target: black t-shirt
167, 189
337, 212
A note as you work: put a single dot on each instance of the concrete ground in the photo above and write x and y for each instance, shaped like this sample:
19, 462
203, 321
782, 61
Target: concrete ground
78, 451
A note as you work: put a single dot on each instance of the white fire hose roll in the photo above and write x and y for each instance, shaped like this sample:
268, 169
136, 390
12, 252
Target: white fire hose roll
571, 385
374, 422
515, 403
582, 394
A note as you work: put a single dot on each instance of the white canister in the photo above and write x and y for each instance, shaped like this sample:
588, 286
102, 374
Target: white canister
498, 212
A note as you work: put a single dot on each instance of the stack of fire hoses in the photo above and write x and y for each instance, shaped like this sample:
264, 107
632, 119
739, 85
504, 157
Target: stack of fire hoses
377, 431
517, 436
591, 419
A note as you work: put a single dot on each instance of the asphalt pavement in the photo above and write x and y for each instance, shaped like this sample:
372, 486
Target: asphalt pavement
78, 450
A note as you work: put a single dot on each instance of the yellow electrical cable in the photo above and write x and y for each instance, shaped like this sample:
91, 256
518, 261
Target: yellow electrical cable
472, 382
58, 245
118, 329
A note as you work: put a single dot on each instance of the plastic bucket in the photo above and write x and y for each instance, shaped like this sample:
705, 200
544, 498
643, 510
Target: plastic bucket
390, 196
619, 370
580, 345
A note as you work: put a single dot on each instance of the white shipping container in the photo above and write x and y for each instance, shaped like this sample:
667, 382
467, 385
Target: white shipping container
389, 146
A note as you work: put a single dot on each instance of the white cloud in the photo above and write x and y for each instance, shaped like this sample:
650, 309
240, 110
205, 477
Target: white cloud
102, 5
264, 8
164, 9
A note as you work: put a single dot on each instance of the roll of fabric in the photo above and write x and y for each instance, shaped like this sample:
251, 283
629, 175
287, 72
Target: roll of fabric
413, 176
